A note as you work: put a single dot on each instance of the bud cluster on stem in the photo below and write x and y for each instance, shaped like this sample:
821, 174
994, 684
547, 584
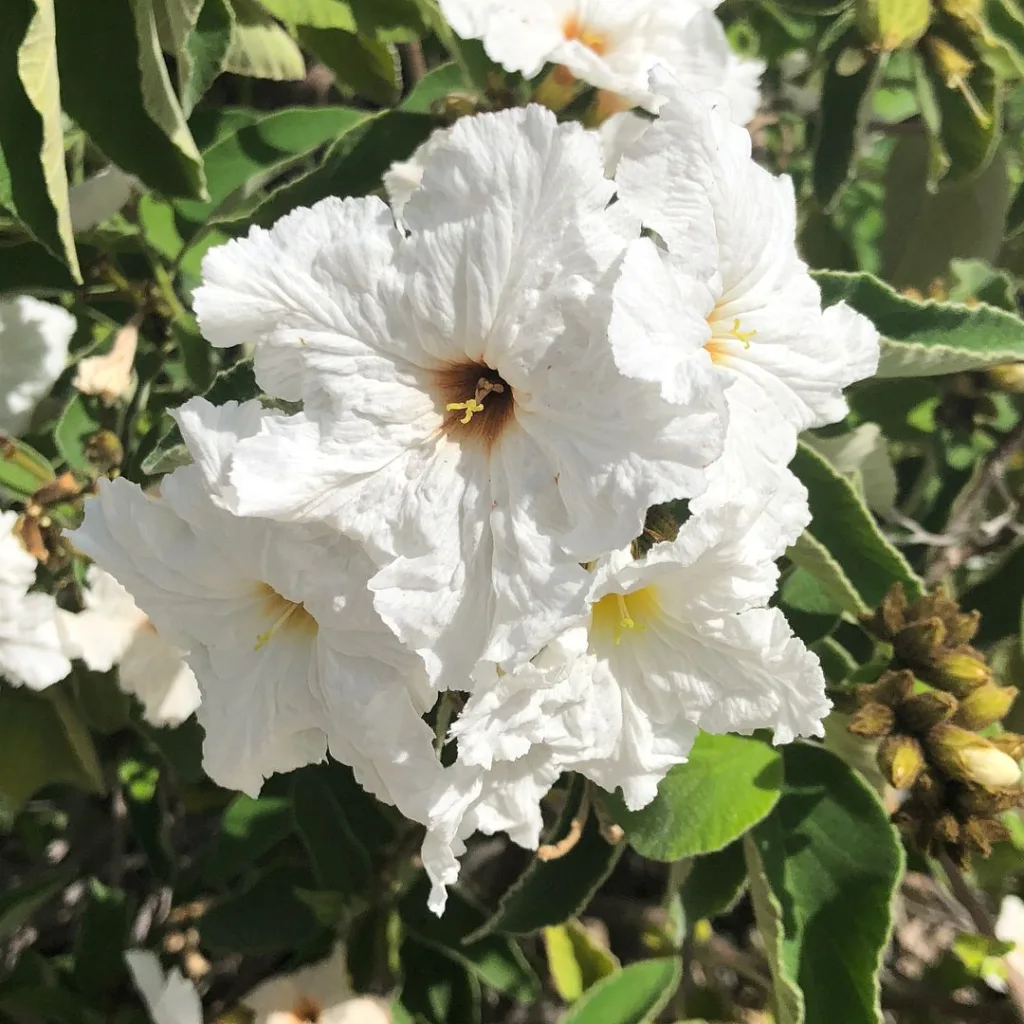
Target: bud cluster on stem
927, 711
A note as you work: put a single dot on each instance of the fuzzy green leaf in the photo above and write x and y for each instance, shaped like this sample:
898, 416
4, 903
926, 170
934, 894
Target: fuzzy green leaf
634, 995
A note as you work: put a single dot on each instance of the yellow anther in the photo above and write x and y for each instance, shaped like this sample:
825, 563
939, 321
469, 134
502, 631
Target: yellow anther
476, 404
626, 621
264, 638
471, 407
744, 336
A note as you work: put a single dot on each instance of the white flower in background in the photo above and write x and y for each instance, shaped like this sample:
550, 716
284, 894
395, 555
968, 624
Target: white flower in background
34, 338
732, 225
99, 197
170, 998
318, 994
30, 645
1009, 928
111, 630
463, 414
281, 633
614, 44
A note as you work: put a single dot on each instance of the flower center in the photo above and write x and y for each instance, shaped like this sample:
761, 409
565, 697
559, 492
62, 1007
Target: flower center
573, 29
615, 615
306, 1011
285, 616
478, 404
724, 333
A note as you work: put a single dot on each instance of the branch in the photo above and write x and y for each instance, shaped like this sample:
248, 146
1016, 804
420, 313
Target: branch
969, 514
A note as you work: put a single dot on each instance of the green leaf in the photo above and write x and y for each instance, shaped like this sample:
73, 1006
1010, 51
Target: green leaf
728, 784
101, 941
924, 339
714, 883
314, 13
433, 87
33, 179
548, 892
262, 147
260, 48
823, 869
198, 34
362, 65
266, 917
843, 547
250, 827
339, 860
851, 76
437, 989
22, 469
493, 960
575, 960
44, 742
634, 995
353, 166
74, 427
19, 904
130, 110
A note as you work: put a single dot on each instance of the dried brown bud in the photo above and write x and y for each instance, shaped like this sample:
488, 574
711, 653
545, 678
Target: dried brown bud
920, 711
901, 760
103, 449
977, 801
918, 643
63, 488
985, 706
891, 688
959, 671
964, 755
946, 827
962, 628
872, 721
890, 617
982, 834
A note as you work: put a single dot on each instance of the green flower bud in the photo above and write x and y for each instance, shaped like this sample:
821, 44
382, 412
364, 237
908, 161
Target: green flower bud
103, 449
960, 671
901, 760
872, 721
893, 24
965, 756
1008, 377
984, 706
921, 711
1011, 743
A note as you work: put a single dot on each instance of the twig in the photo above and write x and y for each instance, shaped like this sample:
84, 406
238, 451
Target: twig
964, 522
974, 904
900, 995
415, 64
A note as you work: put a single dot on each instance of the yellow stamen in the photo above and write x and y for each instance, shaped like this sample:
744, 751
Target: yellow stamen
744, 336
476, 404
264, 638
626, 620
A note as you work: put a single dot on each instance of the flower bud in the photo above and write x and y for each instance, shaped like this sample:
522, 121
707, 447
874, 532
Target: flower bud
901, 760
984, 706
961, 629
964, 755
921, 711
982, 834
872, 721
103, 449
960, 671
979, 802
917, 642
1011, 743
1008, 377
890, 616
946, 827
967, 11
893, 24
891, 688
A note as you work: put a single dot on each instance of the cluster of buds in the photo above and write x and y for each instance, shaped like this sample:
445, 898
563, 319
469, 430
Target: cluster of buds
952, 37
926, 711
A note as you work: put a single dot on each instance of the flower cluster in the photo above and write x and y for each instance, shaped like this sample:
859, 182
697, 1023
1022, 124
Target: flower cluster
536, 488
613, 45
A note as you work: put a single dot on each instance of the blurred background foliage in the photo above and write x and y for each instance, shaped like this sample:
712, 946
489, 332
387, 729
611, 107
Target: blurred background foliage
763, 884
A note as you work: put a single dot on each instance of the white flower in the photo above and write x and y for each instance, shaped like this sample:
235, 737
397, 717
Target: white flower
281, 633
111, 630
34, 337
99, 197
732, 225
463, 413
613, 44
170, 998
1009, 928
30, 644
